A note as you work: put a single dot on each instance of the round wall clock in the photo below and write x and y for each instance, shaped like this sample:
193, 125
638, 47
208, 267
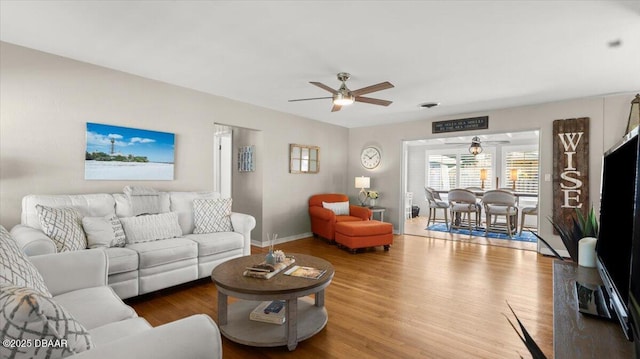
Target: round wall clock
370, 157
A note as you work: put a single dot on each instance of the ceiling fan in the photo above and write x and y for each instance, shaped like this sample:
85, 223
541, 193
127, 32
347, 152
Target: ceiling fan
343, 96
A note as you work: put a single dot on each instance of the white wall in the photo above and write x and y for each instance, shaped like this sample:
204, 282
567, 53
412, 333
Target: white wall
46, 100
608, 122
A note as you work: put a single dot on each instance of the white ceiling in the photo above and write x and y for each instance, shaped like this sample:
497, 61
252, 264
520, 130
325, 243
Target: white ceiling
470, 56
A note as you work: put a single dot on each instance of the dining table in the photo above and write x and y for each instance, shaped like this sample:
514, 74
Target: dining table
480, 193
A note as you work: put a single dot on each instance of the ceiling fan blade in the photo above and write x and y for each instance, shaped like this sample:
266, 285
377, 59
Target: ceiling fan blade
336, 108
373, 101
312, 98
324, 87
373, 88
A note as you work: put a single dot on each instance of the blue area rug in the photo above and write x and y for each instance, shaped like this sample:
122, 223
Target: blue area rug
524, 237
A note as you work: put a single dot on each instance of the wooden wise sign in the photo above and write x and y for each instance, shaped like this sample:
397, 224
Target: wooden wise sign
570, 169
464, 124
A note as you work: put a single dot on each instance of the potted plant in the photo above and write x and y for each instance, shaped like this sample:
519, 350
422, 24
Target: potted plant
581, 227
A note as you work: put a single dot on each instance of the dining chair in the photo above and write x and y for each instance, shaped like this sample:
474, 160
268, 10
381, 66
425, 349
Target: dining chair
476, 190
408, 205
435, 193
506, 189
530, 211
500, 203
463, 202
435, 204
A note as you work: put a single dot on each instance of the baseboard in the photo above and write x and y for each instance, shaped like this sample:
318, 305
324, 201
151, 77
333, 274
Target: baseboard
282, 240
547, 252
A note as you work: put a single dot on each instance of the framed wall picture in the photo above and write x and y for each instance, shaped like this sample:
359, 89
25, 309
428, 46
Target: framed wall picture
246, 160
124, 153
304, 159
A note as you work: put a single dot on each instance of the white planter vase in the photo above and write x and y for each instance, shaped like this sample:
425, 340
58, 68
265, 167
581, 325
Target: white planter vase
372, 202
587, 252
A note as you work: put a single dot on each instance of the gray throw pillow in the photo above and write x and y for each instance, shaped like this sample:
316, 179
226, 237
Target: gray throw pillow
27, 315
15, 267
63, 226
104, 231
212, 215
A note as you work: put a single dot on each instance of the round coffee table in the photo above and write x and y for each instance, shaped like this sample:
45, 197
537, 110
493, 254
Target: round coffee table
304, 316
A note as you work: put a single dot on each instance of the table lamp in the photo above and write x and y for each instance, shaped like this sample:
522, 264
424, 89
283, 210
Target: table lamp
362, 183
514, 177
483, 177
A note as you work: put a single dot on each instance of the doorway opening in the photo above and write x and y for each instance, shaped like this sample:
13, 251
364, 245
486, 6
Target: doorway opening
222, 155
506, 161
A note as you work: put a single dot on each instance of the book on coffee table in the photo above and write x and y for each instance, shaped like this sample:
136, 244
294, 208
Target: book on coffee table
305, 272
269, 312
266, 274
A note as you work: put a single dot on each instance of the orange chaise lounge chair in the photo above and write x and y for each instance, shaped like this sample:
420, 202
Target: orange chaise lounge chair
323, 220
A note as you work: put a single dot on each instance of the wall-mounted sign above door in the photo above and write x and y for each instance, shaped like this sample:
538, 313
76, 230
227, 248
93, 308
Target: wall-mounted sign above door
463, 124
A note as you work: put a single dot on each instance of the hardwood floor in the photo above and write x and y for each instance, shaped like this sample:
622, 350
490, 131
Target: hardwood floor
425, 298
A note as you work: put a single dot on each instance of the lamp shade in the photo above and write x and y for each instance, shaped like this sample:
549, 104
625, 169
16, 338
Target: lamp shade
483, 174
363, 182
514, 174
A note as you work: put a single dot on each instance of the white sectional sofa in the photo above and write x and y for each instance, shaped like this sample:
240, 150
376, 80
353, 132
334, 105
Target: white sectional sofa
63, 299
140, 268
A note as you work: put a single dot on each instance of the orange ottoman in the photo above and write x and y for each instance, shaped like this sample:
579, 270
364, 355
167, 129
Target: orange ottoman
363, 234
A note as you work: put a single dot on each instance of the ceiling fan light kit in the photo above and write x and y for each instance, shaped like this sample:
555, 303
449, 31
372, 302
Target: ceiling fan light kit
344, 97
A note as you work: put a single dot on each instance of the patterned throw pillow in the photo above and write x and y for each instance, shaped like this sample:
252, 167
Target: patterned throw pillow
212, 215
339, 208
15, 268
27, 316
63, 226
104, 231
151, 227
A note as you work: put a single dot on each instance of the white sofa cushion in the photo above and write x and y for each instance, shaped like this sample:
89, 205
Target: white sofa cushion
121, 260
27, 315
213, 243
157, 253
15, 268
182, 203
92, 205
63, 226
107, 333
152, 227
95, 306
105, 231
124, 208
212, 215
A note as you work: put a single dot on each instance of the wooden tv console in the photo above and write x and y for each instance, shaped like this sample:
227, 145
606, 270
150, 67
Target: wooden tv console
576, 335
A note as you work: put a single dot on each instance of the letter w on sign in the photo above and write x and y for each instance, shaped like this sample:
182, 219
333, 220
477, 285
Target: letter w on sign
571, 168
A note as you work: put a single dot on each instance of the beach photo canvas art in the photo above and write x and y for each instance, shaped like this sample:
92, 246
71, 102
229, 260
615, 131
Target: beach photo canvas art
123, 153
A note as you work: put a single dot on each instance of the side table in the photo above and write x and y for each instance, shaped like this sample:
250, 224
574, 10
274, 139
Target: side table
378, 210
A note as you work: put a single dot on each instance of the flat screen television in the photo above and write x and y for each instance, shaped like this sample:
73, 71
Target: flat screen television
634, 285
618, 216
